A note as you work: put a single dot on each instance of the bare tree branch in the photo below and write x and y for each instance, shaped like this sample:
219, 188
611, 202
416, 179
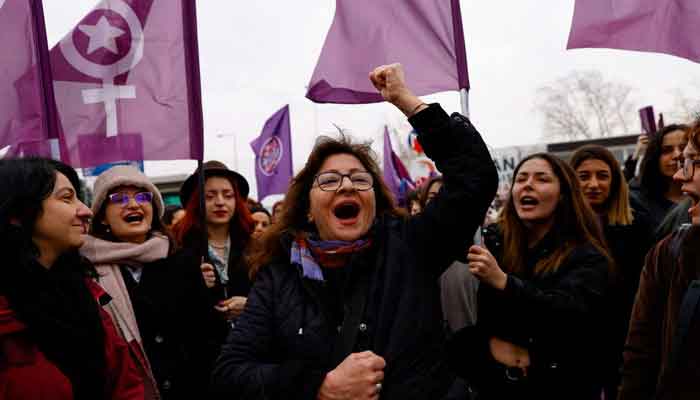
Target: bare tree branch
583, 105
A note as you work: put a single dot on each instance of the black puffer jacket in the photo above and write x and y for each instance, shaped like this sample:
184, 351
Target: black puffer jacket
555, 316
282, 345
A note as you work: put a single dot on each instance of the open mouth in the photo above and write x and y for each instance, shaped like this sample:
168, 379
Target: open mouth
346, 210
134, 217
528, 201
83, 228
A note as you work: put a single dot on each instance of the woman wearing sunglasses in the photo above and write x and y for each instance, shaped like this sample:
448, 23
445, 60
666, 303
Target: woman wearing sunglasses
157, 305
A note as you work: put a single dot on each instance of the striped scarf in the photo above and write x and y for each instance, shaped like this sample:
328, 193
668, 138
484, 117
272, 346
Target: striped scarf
313, 255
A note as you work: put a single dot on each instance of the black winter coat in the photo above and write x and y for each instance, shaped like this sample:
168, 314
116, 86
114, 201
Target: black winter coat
628, 245
283, 345
555, 316
181, 331
239, 283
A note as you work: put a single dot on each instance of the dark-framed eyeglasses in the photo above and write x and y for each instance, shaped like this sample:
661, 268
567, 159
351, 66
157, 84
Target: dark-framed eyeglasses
332, 181
122, 198
687, 166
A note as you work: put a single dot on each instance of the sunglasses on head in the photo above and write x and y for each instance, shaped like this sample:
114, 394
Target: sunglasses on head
121, 198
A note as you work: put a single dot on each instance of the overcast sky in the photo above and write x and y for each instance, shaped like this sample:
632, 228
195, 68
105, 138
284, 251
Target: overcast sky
257, 56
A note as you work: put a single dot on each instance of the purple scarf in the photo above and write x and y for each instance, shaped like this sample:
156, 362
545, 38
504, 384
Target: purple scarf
311, 255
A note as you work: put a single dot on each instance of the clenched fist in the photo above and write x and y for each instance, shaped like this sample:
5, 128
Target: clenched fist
208, 274
232, 307
485, 267
357, 377
391, 83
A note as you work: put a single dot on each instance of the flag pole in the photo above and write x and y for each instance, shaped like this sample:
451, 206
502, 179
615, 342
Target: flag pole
464, 101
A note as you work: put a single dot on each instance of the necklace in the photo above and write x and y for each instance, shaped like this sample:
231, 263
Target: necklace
217, 245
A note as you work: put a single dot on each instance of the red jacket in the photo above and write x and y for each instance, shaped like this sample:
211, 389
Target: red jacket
26, 374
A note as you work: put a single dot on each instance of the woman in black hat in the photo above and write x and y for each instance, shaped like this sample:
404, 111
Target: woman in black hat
217, 239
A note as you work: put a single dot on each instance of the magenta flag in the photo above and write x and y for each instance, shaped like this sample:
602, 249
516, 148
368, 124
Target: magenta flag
660, 26
126, 81
396, 175
27, 109
273, 155
426, 36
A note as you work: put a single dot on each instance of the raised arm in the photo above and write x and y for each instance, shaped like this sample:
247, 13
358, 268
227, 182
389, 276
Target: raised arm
445, 228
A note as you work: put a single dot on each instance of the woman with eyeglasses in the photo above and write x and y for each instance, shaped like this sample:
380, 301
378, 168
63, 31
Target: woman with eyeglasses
345, 303
543, 282
56, 341
627, 233
662, 352
158, 305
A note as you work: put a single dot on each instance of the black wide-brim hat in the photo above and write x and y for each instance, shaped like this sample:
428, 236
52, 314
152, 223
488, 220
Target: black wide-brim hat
213, 168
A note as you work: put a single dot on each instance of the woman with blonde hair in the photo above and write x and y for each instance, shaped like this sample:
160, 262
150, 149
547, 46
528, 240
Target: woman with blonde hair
627, 233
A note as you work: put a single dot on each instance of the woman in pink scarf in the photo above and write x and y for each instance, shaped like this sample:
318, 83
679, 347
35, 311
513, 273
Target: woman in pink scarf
157, 302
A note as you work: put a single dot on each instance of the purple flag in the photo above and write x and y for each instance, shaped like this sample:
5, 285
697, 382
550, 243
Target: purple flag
126, 81
27, 108
273, 155
648, 118
426, 36
660, 26
396, 175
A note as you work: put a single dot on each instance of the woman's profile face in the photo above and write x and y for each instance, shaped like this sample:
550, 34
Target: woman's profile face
672, 146
690, 184
346, 213
535, 192
63, 221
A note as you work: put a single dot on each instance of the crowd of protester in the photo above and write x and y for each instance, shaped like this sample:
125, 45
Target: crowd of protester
580, 283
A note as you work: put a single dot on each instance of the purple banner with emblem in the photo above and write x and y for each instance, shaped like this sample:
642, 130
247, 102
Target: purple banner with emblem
126, 81
27, 108
660, 26
273, 155
425, 36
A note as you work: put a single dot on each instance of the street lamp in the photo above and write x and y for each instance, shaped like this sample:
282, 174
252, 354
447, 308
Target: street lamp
235, 147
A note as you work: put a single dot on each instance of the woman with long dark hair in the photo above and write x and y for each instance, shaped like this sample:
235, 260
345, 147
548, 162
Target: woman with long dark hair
542, 291
56, 342
627, 233
657, 193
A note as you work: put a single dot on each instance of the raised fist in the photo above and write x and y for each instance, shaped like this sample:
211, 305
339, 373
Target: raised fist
391, 83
